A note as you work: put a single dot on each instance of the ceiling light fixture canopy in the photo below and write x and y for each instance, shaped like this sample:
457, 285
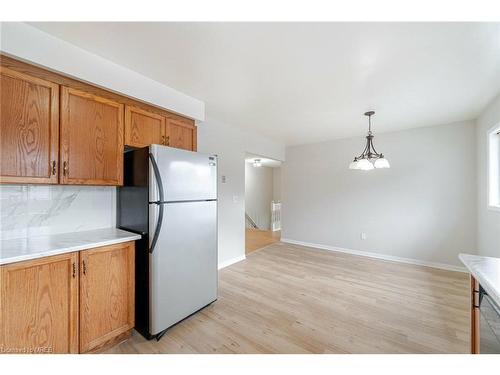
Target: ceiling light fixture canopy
257, 163
369, 158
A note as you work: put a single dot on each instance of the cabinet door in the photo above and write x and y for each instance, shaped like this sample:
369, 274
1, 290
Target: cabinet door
181, 134
29, 128
91, 139
106, 294
38, 305
143, 128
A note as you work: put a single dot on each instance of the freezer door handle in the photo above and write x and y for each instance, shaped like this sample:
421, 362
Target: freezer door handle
159, 203
158, 180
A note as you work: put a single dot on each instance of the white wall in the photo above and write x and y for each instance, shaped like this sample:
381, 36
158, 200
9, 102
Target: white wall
28, 43
488, 221
277, 184
231, 144
259, 194
423, 208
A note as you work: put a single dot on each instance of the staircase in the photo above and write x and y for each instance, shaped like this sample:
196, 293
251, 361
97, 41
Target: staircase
249, 223
275, 216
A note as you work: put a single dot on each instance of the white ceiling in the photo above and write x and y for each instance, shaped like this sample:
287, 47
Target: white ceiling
307, 82
266, 162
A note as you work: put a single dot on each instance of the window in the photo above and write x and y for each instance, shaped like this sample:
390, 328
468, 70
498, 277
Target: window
494, 168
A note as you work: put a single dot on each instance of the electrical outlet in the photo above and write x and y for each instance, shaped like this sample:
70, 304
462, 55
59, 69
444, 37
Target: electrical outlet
363, 235
235, 199
223, 179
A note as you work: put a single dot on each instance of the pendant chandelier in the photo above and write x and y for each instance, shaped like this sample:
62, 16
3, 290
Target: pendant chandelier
369, 158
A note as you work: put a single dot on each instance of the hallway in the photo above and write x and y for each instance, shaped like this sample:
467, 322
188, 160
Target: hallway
257, 239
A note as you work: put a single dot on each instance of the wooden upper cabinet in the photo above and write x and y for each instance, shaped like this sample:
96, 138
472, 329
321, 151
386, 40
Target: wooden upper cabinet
106, 294
181, 134
39, 305
29, 128
55, 129
91, 139
143, 128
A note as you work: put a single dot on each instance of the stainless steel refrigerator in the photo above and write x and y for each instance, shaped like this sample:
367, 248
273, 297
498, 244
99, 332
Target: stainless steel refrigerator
170, 198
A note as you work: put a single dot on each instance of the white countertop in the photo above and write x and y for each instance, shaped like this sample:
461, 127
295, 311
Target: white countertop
16, 250
486, 271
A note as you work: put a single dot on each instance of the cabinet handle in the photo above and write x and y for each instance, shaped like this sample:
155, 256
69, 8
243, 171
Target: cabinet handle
84, 267
65, 168
74, 270
53, 167
167, 140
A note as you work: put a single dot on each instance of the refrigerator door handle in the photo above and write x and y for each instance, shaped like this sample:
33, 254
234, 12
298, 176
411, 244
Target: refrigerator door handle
158, 226
159, 202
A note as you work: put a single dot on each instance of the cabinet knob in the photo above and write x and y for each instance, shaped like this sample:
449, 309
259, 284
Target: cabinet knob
74, 270
84, 267
53, 167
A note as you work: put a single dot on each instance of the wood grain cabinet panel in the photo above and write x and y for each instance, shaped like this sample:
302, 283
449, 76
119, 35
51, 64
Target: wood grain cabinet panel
54, 129
475, 315
29, 128
181, 134
106, 294
143, 128
39, 306
91, 139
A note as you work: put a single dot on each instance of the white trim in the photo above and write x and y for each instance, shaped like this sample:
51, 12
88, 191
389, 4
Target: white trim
229, 262
32, 45
391, 258
489, 169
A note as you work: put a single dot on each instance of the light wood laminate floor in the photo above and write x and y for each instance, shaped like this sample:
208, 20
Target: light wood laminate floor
256, 239
293, 299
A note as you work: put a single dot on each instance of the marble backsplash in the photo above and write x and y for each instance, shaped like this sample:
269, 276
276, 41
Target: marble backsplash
30, 210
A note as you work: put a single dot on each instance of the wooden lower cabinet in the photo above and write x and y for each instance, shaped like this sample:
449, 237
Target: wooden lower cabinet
474, 316
39, 306
106, 294
72, 303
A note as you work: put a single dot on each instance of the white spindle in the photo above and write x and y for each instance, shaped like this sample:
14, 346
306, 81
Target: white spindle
275, 216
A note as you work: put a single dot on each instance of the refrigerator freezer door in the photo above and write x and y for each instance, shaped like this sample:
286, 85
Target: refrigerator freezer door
185, 175
183, 266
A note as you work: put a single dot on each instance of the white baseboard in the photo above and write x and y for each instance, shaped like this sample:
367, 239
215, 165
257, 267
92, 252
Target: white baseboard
392, 258
231, 261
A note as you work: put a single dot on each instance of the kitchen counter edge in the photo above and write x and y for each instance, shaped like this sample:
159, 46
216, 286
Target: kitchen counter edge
486, 270
22, 249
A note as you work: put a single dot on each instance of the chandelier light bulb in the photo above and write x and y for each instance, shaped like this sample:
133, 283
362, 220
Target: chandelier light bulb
353, 165
382, 163
365, 165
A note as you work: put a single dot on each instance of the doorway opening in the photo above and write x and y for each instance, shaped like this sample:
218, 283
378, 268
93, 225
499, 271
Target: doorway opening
262, 202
